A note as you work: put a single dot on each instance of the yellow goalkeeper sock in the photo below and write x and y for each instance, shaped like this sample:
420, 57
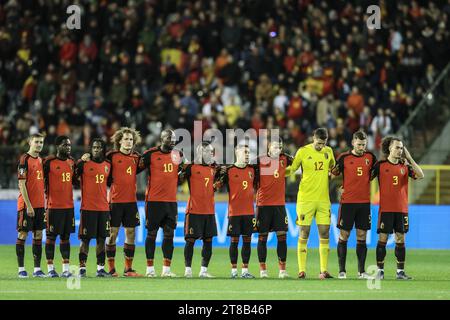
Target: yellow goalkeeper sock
301, 254
324, 249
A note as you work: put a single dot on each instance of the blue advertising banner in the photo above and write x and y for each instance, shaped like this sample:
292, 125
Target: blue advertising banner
429, 227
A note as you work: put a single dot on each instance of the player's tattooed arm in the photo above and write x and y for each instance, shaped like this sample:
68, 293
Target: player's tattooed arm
417, 170
184, 172
221, 177
86, 157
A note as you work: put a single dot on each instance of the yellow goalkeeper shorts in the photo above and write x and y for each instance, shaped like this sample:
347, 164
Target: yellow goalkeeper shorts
306, 211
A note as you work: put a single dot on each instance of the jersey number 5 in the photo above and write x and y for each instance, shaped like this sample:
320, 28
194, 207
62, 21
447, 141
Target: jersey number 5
359, 171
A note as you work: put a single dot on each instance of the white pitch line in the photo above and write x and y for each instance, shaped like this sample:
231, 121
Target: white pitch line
80, 291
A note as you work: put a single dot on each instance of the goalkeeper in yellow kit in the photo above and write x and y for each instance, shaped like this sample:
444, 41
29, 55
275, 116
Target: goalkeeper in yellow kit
313, 201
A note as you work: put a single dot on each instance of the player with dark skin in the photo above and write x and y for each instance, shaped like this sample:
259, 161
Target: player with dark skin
98, 155
167, 144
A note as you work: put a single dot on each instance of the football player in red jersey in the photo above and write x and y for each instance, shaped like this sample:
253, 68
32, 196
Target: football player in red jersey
270, 201
240, 179
123, 202
393, 174
58, 178
164, 163
30, 204
355, 167
94, 223
200, 221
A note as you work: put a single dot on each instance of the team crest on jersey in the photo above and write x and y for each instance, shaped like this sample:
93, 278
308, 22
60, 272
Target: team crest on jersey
57, 168
309, 158
402, 171
367, 161
326, 155
106, 169
250, 175
282, 163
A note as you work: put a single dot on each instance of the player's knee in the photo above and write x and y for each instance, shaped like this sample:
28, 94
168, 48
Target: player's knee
22, 235
399, 237
64, 238
151, 235
361, 235
37, 235
190, 241
207, 240
168, 232
262, 237
234, 240
344, 235
100, 242
383, 237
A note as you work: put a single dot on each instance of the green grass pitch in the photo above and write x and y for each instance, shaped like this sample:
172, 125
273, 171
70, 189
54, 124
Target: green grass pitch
429, 268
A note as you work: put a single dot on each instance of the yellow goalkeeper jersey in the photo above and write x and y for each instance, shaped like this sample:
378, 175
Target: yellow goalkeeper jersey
315, 166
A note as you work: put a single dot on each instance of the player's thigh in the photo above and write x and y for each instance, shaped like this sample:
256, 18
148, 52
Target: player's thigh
130, 218
323, 213
69, 221
305, 213
210, 226
170, 215
386, 222
88, 225
264, 216
103, 224
155, 215
193, 226
56, 221
234, 226
39, 219
401, 223
248, 225
346, 216
363, 217
116, 214
24, 222
279, 219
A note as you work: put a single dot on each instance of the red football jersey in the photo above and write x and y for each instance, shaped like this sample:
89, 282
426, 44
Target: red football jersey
58, 175
356, 171
124, 168
163, 169
94, 188
201, 186
272, 180
393, 182
241, 190
31, 170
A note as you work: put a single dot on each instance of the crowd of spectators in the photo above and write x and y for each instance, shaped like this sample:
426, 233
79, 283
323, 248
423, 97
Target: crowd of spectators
149, 64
